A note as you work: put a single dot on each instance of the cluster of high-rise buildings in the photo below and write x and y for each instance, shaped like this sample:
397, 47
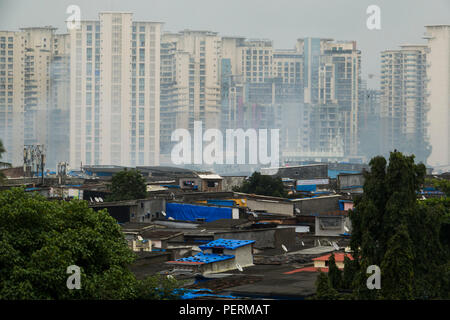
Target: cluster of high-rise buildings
112, 91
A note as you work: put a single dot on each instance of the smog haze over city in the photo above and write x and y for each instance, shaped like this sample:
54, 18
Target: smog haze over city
225, 150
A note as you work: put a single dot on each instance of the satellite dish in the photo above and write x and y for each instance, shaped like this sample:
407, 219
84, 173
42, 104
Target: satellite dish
91, 199
284, 248
303, 244
101, 200
140, 238
318, 242
170, 277
203, 230
297, 210
336, 247
96, 199
163, 213
170, 218
346, 229
239, 267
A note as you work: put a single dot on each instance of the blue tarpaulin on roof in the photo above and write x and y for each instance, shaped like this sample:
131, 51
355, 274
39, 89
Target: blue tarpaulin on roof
188, 212
334, 173
230, 244
306, 187
228, 203
206, 258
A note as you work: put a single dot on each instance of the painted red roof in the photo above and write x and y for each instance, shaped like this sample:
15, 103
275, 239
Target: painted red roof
338, 257
307, 269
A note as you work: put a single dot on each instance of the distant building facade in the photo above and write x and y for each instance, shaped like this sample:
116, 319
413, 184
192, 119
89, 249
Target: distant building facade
403, 100
438, 88
115, 75
34, 87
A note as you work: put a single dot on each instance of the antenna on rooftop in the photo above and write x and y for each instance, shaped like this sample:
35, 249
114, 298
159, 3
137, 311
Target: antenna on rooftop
238, 266
336, 247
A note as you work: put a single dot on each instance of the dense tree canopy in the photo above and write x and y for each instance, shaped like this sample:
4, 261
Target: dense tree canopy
263, 185
127, 185
39, 239
406, 237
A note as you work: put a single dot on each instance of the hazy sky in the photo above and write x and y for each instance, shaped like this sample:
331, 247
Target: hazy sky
283, 21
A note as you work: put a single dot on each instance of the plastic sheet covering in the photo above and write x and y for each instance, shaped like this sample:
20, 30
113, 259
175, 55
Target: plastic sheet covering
188, 212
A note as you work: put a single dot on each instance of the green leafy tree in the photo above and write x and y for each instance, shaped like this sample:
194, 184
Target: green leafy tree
40, 239
392, 229
324, 289
440, 184
350, 269
334, 273
397, 267
263, 185
127, 185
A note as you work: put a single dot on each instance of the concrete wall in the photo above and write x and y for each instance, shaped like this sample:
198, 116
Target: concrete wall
231, 181
317, 205
351, 180
269, 206
152, 206
332, 231
219, 266
243, 255
302, 172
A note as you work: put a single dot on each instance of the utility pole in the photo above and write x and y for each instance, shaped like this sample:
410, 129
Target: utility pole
34, 160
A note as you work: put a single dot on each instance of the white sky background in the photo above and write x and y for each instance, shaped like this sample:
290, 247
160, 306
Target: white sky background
283, 21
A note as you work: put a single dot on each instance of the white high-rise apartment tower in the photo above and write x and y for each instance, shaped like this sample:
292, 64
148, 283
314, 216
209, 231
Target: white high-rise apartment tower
403, 103
190, 83
438, 73
115, 74
34, 92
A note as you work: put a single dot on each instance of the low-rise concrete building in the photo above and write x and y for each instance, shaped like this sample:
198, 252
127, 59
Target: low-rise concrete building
258, 203
219, 256
308, 206
351, 182
322, 262
309, 171
332, 223
141, 210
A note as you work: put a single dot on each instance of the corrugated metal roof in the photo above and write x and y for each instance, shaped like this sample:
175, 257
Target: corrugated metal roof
210, 176
204, 258
226, 244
